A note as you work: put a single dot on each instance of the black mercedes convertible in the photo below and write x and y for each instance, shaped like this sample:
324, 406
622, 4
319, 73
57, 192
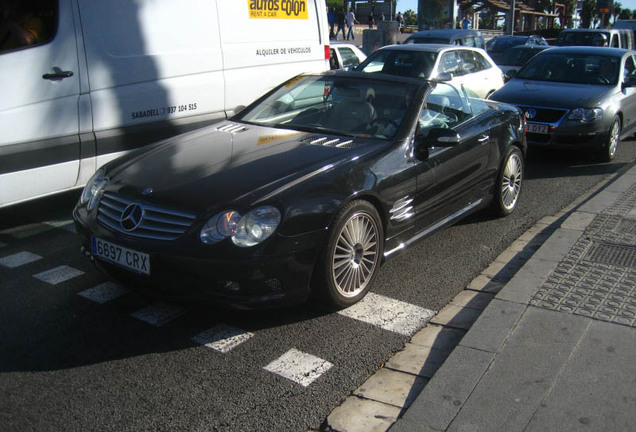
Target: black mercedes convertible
304, 193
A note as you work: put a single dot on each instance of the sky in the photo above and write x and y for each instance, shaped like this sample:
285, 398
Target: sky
404, 5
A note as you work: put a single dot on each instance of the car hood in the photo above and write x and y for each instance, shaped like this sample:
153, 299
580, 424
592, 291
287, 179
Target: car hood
552, 94
229, 164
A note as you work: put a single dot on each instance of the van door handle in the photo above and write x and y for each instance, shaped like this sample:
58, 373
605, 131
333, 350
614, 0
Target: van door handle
58, 74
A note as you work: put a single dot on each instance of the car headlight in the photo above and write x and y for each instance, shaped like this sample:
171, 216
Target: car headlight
245, 231
585, 115
93, 190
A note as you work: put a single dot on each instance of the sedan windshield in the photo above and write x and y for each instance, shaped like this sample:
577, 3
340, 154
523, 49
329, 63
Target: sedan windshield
572, 68
414, 64
335, 104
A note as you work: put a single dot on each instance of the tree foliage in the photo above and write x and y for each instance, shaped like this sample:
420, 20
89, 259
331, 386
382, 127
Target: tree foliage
410, 17
587, 13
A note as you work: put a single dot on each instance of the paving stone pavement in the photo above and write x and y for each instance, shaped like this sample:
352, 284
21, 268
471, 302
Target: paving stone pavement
541, 340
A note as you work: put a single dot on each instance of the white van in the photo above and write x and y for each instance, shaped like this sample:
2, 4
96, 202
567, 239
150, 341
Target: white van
101, 77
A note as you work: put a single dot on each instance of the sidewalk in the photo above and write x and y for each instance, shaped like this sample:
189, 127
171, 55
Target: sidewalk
543, 340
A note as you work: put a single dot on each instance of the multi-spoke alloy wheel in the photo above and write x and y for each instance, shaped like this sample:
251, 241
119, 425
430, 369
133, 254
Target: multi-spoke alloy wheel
609, 151
509, 182
356, 255
352, 255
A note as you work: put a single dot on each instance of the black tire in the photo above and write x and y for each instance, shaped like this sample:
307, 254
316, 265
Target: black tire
350, 259
608, 151
509, 179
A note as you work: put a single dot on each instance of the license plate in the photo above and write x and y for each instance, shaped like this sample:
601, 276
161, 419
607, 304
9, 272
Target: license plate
138, 262
537, 128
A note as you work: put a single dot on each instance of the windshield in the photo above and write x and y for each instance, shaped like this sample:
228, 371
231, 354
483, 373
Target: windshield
583, 38
428, 40
516, 57
572, 68
498, 45
335, 104
414, 64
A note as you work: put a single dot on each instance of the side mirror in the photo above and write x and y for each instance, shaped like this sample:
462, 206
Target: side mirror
436, 137
443, 77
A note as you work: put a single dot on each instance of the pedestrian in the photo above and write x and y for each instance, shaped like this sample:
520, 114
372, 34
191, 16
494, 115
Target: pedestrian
467, 23
371, 20
350, 19
331, 19
400, 21
382, 17
340, 22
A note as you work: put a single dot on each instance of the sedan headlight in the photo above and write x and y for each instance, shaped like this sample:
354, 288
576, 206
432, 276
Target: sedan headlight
585, 115
245, 231
93, 190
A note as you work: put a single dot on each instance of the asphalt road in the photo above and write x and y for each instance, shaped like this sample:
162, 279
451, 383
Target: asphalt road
78, 355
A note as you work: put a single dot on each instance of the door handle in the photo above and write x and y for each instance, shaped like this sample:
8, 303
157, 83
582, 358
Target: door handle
484, 138
58, 74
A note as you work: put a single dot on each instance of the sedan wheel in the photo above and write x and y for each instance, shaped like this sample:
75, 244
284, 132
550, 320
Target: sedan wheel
509, 182
352, 256
609, 150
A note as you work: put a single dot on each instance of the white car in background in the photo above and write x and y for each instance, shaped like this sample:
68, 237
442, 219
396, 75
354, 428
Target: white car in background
468, 66
345, 55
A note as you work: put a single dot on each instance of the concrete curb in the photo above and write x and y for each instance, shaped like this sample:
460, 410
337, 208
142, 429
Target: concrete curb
490, 306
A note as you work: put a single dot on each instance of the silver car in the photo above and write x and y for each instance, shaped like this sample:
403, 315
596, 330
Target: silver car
576, 97
467, 66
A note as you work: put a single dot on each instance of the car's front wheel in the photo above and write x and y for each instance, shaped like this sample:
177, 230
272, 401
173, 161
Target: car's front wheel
351, 257
608, 151
509, 179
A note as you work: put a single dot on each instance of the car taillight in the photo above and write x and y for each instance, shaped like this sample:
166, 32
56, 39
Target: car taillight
327, 52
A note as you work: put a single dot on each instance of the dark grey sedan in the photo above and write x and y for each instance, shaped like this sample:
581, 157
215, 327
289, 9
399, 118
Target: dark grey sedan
576, 97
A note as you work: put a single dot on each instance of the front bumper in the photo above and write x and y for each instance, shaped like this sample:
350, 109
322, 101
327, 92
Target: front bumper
244, 283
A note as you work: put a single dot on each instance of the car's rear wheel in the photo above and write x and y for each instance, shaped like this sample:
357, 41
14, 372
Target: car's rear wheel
509, 179
351, 257
608, 151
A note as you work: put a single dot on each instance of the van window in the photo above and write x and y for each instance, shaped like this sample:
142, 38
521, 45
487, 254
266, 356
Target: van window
27, 23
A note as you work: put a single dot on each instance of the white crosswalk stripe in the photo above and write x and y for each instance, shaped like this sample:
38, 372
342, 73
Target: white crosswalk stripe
104, 293
19, 259
222, 338
300, 367
159, 314
58, 275
389, 314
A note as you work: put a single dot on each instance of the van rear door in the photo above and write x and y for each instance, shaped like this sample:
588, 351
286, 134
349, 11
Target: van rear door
39, 143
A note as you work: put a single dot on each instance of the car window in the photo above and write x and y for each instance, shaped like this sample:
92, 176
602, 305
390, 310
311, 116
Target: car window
414, 64
467, 62
27, 23
335, 104
615, 43
333, 60
473, 61
572, 68
469, 41
429, 40
477, 104
449, 63
349, 58
445, 107
629, 71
